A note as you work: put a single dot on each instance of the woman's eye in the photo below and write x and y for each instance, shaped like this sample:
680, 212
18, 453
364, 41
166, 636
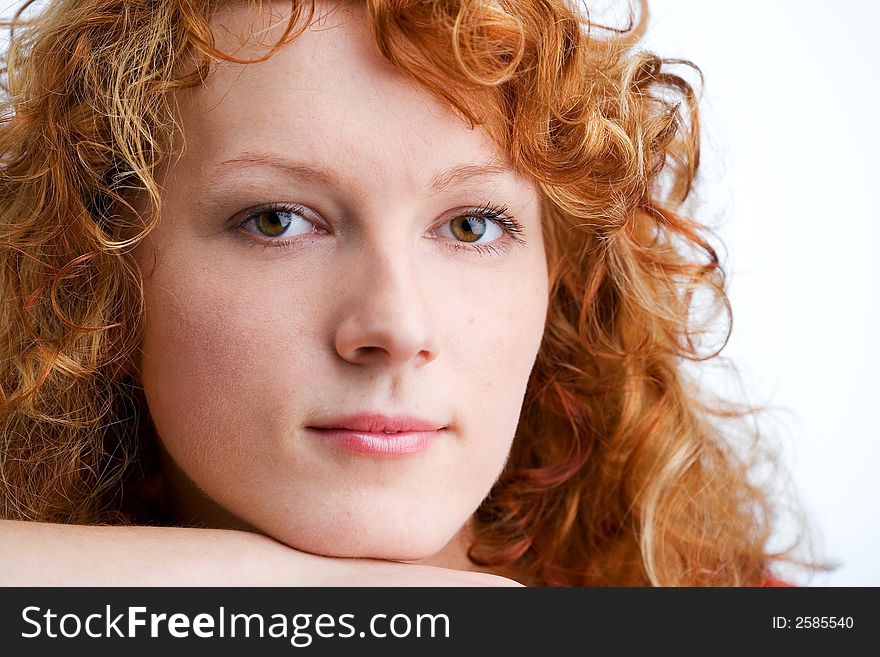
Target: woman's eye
274, 223
470, 229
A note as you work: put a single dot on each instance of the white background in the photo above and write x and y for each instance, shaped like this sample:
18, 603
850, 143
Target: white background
792, 170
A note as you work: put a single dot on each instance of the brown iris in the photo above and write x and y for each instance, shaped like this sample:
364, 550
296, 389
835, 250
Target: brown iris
468, 229
272, 222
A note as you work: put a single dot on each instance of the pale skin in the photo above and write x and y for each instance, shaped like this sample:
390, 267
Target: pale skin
334, 240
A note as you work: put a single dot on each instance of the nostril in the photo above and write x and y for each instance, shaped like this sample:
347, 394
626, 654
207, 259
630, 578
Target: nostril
425, 357
383, 341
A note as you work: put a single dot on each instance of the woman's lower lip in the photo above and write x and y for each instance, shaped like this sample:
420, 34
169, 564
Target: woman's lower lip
379, 444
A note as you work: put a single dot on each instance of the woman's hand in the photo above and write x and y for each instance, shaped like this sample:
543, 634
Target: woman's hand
45, 554
368, 572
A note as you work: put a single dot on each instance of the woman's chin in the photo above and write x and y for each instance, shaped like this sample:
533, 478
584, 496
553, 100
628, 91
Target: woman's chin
423, 544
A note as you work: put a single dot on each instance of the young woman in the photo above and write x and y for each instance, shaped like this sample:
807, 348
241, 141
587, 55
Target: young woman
357, 293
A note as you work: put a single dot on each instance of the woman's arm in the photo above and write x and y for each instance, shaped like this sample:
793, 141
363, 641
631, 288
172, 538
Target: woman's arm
44, 554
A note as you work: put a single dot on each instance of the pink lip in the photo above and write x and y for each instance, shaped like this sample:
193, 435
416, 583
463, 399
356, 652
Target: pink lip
379, 435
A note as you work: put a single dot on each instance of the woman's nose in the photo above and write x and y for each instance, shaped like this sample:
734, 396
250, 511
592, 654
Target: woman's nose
384, 318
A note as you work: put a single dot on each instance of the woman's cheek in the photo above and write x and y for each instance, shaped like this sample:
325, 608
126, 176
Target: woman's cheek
205, 353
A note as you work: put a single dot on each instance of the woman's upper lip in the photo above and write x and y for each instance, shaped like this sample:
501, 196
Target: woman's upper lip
378, 423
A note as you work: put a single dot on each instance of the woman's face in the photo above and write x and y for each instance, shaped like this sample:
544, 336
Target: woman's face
348, 296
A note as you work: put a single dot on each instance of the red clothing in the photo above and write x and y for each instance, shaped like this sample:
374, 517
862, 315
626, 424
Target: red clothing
773, 581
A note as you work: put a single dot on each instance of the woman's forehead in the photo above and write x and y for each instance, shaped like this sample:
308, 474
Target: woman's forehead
327, 99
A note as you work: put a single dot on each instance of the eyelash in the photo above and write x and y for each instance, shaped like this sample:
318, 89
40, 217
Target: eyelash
512, 228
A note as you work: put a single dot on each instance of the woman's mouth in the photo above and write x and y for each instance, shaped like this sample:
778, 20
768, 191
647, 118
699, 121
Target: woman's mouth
379, 435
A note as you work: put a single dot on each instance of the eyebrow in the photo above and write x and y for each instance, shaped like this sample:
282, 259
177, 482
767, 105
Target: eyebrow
441, 181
